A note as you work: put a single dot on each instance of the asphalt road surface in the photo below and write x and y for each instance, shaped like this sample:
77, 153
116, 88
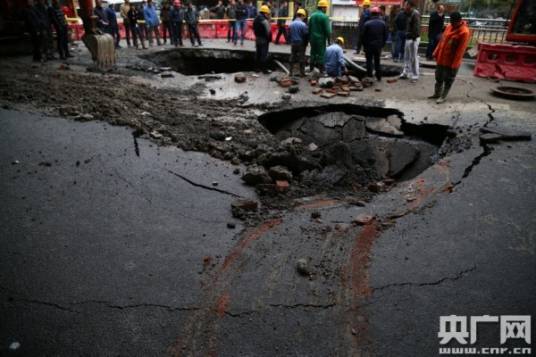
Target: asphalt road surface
107, 252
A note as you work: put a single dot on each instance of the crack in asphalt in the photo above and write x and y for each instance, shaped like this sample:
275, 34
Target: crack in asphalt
486, 149
193, 183
294, 306
105, 303
458, 276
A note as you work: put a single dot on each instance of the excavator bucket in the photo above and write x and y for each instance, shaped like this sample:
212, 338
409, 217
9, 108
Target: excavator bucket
102, 49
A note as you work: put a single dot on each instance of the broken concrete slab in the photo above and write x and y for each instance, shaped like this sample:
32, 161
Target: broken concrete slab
508, 134
383, 126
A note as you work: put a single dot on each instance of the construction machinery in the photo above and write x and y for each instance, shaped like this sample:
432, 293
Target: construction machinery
100, 45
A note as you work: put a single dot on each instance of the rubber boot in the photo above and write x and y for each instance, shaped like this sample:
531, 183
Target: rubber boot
437, 91
446, 90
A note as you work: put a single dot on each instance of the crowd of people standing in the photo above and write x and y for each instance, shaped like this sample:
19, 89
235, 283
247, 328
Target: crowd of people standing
375, 29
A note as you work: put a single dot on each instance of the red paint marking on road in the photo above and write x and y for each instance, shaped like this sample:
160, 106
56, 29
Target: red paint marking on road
247, 239
223, 304
360, 260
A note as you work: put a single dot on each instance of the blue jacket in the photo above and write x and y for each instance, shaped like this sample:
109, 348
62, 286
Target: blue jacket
149, 13
112, 18
374, 34
334, 60
299, 33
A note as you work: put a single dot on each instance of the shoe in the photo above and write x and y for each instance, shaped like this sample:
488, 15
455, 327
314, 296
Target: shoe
403, 76
440, 100
435, 96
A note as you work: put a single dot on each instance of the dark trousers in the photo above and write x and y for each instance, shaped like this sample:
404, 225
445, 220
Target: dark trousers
373, 54
138, 32
176, 33
231, 31
400, 44
297, 56
63, 41
114, 32
281, 30
166, 28
37, 44
433, 40
127, 31
444, 77
194, 34
262, 53
153, 30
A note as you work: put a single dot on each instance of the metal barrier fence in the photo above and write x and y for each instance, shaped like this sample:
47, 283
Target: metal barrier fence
482, 30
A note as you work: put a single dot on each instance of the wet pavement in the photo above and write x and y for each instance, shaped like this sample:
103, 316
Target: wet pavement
117, 246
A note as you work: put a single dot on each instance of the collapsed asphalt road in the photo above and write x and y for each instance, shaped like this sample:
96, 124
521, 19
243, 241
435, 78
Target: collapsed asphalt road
119, 243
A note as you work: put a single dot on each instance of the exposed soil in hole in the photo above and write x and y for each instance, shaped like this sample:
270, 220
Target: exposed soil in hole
198, 61
195, 61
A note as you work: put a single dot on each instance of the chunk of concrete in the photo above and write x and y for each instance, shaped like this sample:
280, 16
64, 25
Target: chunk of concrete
256, 175
280, 173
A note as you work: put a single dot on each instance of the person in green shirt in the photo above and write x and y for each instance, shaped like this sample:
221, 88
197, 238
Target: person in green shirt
319, 35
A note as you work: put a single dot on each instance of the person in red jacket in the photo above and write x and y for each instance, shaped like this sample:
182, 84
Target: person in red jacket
449, 54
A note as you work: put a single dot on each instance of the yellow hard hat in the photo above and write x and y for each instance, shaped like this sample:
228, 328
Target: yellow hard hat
366, 2
301, 12
265, 9
323, 3
341, 40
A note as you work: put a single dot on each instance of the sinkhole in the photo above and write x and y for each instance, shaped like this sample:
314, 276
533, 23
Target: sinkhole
200, 61
341, 144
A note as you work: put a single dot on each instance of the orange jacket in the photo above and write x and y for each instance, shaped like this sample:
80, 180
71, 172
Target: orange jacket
454, 41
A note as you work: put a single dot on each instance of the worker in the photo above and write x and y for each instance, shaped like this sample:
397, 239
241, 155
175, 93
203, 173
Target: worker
365, 16
449, 54
282, 14
151, 22
374, 39
319, 35
218, 10
164, 20
191, 17
413, 37
142, 26
57, 18
113, 27
299, 36
334, 59
100, 13
400, 27
241, 13
230, 13
263, 36
123, 11
391, 26
176, 17
435, 29
134, 17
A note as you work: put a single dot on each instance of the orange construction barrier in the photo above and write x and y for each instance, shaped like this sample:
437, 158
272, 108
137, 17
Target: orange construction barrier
503, 61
